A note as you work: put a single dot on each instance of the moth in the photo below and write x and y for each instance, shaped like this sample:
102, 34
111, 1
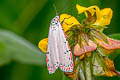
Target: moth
58, 51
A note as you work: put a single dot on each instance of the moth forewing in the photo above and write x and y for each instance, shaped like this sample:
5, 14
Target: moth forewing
58, 51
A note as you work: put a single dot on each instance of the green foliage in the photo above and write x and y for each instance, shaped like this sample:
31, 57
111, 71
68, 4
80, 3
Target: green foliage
13, 47
115, 36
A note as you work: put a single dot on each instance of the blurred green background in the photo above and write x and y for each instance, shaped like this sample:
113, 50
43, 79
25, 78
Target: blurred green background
24, 22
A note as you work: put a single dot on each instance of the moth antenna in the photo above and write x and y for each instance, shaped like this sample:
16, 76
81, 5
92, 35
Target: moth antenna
55, 9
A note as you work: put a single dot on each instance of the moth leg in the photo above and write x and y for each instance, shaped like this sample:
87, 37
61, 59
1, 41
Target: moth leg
65, 19
68, 24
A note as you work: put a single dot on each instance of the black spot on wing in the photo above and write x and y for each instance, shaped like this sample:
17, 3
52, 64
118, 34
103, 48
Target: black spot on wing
64, 52
67, 51
48, 64
65, 42
69, 58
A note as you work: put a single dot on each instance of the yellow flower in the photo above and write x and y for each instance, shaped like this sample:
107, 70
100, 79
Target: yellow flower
91, 10
103, 17
68, 22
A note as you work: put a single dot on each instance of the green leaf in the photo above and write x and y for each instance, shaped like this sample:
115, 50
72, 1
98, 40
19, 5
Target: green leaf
4, 58
98, 65
95, 2
99, 35
65, 77
114, 54
115, 36
88, 72
13, 47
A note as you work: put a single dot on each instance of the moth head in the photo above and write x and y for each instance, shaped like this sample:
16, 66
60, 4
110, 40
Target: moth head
55, 20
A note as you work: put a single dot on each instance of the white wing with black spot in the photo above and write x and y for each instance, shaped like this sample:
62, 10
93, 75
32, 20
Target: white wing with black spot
58, 50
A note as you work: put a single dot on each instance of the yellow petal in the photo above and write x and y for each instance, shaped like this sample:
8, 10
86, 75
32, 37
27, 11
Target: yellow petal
68, 22
106, 13
105, 17
91, 10
80, 9
43, 45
